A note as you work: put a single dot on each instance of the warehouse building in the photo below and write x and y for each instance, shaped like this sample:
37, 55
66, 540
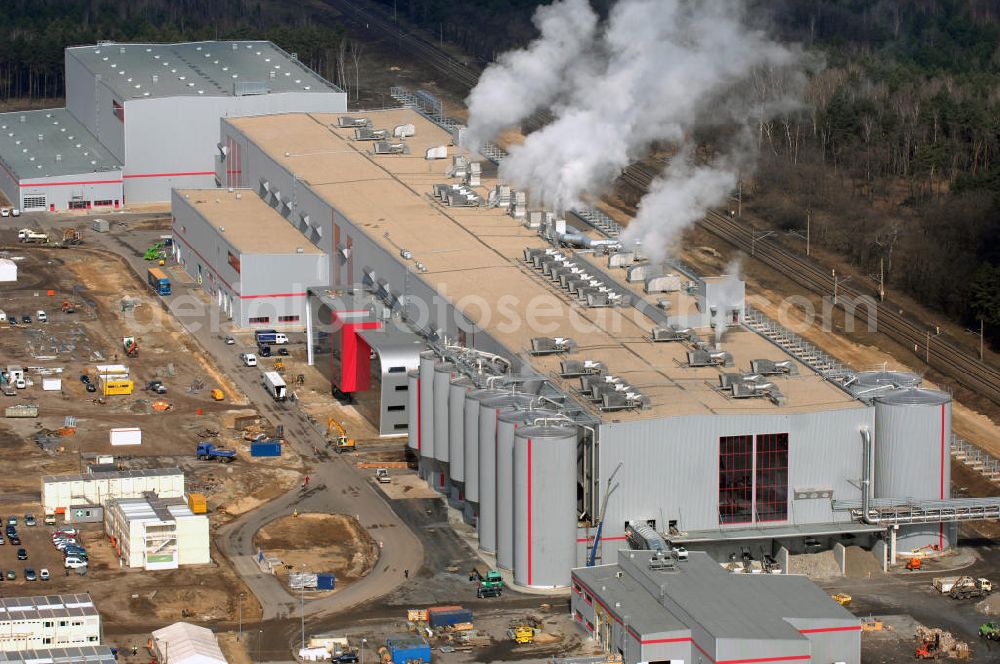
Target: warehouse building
184, 643
48, 621
652, 607
50, 161
141, 119
564, 370
71, 655
61, 492
156, 533
255, 264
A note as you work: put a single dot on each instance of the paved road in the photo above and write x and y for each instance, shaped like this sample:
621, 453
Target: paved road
336, 485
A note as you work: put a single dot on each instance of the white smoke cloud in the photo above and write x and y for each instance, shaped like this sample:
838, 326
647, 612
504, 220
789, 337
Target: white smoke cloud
653, 73
525, 80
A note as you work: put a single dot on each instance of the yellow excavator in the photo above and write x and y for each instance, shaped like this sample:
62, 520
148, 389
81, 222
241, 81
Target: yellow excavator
341, 442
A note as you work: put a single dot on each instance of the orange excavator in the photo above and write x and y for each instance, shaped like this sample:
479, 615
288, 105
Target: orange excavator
930, 649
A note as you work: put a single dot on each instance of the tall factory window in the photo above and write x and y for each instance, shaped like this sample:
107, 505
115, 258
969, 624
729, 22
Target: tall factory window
772, 477
735, 479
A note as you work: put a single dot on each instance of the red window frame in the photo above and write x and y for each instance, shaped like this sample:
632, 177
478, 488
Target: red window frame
288, 319
771, 477
260, 320
736, 479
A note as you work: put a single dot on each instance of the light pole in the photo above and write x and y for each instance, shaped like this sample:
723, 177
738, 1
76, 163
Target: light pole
239, 636
363, 642
260, 635
836, 282
808, 233
757, 235
927, 345
980, 335
302, 606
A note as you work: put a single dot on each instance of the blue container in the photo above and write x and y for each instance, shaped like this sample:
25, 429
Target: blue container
326, 581
408, 647
411, 653
265, 448
447, 618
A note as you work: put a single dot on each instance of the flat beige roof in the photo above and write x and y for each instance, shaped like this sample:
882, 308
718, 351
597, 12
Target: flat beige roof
251, 225
474, 257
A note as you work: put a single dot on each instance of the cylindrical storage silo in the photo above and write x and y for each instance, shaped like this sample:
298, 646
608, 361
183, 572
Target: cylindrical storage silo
456, 434
470, 441
489, 414
412, 409
443, 373
426, 407
913, 457
544, 505
508, 422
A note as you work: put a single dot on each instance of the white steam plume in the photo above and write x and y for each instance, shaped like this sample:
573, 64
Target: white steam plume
523, 81
653, 73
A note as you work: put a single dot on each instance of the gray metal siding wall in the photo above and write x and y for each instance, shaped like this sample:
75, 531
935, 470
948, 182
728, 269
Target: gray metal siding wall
275, 285
394, 422
199, 245
912, 451
57, 192
178, 136
831, 640
108, 129
670, 467
81, 93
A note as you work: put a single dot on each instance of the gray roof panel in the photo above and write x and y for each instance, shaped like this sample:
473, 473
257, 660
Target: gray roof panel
212, 68
52, 143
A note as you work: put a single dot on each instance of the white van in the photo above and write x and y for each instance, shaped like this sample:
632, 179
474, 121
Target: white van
3, 316
72, 562
42, 318
249, 359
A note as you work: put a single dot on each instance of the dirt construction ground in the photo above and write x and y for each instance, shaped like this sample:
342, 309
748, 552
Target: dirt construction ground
71, 344
319, 543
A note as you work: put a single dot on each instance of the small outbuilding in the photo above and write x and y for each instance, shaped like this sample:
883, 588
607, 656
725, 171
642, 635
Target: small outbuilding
8, 270
184, 643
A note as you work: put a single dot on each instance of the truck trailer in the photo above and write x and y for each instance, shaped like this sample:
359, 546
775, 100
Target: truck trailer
265, 337
275, 385
158, 281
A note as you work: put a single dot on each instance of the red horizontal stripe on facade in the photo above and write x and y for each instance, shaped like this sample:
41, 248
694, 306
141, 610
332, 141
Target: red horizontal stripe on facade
820, 630
647, 642
167, 175
252, 297
67, 184
762, 660
603, 539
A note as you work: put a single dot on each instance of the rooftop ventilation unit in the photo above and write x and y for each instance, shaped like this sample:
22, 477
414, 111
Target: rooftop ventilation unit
518, 207
500, 196
664, 283
552, 345
347, 122
637, 273
369, 134
749, 389
641, 537
603, 299
663, 561
533, 220
385, 147
575, 284
576, 368
706, 358
404, 131
459, 167
774, 367
621, 259
624, 400
438, 152
473, 178
671, 333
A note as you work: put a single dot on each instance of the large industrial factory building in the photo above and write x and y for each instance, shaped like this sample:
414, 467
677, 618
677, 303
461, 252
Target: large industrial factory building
144, 118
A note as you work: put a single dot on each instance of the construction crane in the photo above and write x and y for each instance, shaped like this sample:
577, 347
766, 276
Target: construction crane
341, 442
600, 517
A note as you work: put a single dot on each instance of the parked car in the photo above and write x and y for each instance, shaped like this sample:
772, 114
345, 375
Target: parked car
26, 319
29, 574
84, 378
15, 212
346, 658
11, 575
249, 359
4, 212
230, 341
43, 574
15, 540
12, 521
74, 562
2, 541
29, 520
22, 554
41, 316
68, 530
283, 352
91, 387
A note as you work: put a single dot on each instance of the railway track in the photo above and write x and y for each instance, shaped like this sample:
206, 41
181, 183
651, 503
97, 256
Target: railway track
940, 353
